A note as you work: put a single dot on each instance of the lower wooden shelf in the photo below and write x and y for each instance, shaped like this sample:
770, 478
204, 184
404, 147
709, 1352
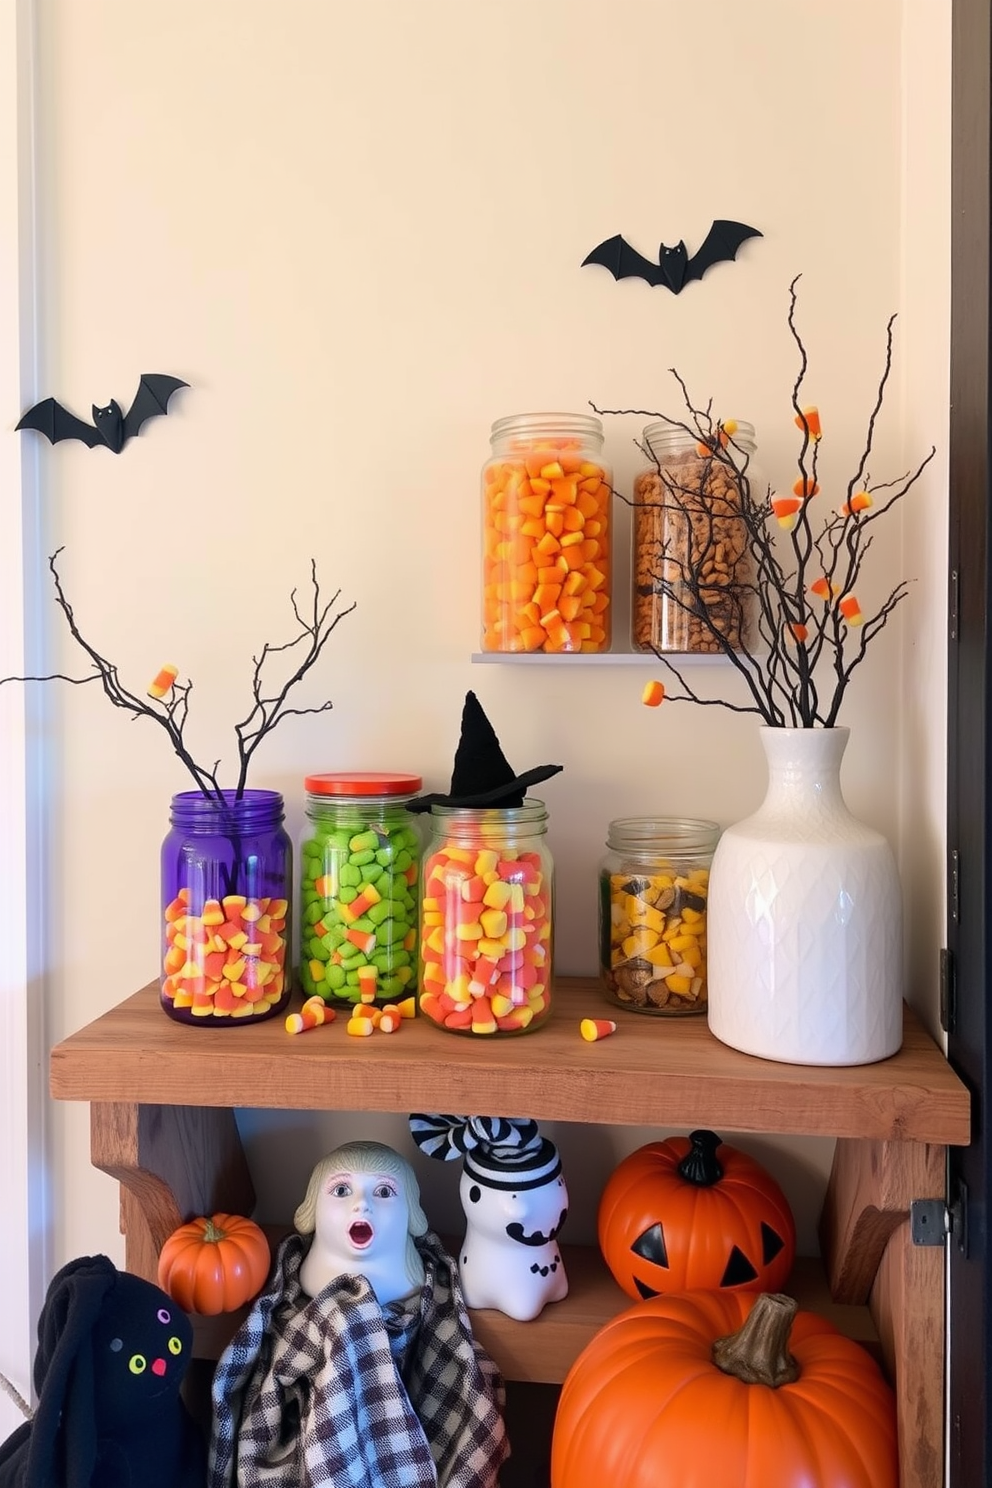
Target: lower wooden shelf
542, 1351
163, 1101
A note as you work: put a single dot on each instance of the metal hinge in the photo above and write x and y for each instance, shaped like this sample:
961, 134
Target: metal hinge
948, 991
952, 605
954, 886
932, 1220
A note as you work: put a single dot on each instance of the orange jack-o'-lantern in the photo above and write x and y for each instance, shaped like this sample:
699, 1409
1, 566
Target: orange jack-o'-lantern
693, 1213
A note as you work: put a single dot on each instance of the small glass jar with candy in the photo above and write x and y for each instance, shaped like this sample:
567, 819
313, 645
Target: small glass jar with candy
653, 891
359, 875
227, 876
486, 919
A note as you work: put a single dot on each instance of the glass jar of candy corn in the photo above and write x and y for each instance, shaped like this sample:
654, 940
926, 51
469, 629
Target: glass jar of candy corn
359, 876
653, 887
486, 919
546, 535
691, 564
227, 883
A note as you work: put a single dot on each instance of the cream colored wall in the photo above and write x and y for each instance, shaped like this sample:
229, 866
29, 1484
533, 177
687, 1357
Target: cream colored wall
357, 232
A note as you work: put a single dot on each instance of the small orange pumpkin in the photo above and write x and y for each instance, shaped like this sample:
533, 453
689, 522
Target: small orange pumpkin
214, 1265
694, 1212
662, 1398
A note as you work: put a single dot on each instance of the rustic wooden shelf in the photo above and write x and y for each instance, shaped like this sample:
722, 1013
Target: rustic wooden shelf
653, 1072
542, 1351
163, 1097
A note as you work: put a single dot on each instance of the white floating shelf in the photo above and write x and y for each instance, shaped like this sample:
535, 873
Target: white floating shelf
594, 658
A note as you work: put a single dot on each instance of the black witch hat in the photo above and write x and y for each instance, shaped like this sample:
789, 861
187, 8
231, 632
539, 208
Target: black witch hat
482, 776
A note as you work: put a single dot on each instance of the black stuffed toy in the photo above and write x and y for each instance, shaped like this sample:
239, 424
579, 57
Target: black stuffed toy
112, 1353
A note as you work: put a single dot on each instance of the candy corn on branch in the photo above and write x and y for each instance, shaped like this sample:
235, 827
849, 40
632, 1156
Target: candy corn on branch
798, 628
169, 705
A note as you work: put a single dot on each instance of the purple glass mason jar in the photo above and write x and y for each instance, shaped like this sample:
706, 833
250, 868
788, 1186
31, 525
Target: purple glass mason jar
227, 887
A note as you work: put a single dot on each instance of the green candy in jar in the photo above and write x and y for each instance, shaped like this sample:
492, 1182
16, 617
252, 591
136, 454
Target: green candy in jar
359, 876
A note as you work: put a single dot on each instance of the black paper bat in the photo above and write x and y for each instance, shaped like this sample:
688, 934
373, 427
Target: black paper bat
110, 426
674, 267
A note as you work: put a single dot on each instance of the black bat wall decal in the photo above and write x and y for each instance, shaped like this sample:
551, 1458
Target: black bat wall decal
110, 426
674, 267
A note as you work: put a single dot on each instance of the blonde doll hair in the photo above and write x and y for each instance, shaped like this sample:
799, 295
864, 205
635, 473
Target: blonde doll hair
370, 1157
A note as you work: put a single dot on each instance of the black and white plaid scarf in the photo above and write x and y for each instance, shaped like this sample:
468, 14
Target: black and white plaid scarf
337, 1392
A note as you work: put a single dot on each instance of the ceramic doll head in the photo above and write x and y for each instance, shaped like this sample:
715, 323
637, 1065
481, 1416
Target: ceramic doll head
515, 1203
362, 1207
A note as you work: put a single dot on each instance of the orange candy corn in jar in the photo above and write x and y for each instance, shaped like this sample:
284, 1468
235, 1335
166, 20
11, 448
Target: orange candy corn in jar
486, 916
546, 535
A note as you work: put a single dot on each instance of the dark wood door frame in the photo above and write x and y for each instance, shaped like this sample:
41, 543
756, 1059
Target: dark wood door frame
969, 739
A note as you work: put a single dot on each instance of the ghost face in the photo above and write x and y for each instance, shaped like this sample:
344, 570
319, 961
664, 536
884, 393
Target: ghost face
530, 1217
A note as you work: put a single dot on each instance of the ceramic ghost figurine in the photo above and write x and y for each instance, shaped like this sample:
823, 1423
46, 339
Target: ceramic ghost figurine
362, 1207
515, 1202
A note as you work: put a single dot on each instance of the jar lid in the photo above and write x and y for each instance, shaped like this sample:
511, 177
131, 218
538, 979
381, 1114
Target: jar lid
362, 783
547, 425
670, 833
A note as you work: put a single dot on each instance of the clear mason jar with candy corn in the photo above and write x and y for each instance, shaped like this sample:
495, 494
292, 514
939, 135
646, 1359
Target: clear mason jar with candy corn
359, 877
486, 919
691, 565
653, 893
227, 883
546, 573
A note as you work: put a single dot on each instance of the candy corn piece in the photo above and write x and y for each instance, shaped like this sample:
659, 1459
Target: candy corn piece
805, 486
313, 1013
725, 432
798, 631
786, 509
850, 609
162, 682
389, 1021
360, 1026
809, 419
859, 502
653, 694
593, 1029
822, 588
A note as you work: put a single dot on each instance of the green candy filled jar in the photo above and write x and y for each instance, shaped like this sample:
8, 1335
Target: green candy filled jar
359, 888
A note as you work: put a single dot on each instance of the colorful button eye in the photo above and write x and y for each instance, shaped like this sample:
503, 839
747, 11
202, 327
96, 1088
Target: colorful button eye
137, 1363
163, 1316
175, 1346
116, 1344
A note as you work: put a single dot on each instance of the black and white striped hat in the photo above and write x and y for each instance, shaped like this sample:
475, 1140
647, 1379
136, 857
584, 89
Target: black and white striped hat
499, 1151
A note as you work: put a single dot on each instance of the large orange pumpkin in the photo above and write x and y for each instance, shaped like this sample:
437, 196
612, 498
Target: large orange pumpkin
645, 1405
214, 1265
694, 1212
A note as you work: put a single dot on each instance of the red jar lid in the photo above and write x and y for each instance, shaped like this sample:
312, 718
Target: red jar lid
363, 783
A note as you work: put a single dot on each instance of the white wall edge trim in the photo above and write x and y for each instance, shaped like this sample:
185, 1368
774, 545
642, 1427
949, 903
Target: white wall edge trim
25, 1245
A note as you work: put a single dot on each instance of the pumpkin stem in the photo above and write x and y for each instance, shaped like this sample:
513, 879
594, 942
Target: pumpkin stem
758, 1353
700, 1165
211, 1234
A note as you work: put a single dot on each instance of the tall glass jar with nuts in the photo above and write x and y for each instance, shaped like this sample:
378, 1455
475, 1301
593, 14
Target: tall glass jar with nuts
691, 565
653, 888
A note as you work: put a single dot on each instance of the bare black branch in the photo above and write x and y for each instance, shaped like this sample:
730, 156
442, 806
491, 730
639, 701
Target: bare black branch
796, 632
171, 711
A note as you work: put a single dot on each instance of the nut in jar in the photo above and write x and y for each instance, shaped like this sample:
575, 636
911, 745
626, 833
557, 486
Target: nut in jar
654, 884
692, 568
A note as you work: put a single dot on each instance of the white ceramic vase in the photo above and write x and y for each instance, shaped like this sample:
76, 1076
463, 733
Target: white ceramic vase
804, 955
